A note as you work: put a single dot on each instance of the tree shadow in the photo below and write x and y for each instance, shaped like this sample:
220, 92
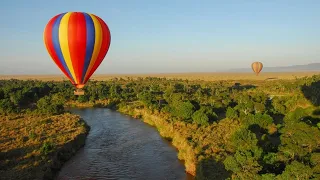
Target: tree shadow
316, 112
272, 78
221, 112
209, 168
239, 87
257, 130
269, 143
312, 93
221, 115
277, 117
12, 161
311, 121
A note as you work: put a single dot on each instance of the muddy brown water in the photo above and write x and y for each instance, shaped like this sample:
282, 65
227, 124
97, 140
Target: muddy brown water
120, 147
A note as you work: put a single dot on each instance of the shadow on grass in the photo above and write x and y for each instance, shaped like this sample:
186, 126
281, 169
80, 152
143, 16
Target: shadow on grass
14, 165
239, 87
312, 93
272, 78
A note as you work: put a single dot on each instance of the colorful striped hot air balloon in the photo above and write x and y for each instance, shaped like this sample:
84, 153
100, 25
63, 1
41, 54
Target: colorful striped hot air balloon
257, 67
77, 42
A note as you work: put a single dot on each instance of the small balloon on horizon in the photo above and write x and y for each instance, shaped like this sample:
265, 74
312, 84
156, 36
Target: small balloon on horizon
257, 67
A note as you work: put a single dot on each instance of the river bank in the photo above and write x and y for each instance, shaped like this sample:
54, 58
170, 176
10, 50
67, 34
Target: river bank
167, 131
35, 147
121, 147
195, 151
40, 149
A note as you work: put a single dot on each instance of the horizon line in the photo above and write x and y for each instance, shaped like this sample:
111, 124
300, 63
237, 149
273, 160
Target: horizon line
110, 74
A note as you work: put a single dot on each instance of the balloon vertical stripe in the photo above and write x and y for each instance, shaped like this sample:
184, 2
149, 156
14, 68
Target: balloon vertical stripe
56, 45
97, 46
104, 47
90, 44
78, 43
49, 45
64, 45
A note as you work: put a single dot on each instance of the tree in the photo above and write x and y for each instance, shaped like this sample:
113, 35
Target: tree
1, 94
262, 120
46, 106
115, 91
231, 113
244, 163
299, 139
204, 115
6, 106
183, 110
278, 105
245, 105
295, 116
296, 170
201, 118
146, 97
178, 88
83, 98
259, 108
315, 163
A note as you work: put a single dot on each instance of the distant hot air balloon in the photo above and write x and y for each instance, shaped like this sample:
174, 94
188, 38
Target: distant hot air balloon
77, 42
257, 67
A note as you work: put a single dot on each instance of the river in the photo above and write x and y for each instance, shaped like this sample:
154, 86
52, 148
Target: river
120, 147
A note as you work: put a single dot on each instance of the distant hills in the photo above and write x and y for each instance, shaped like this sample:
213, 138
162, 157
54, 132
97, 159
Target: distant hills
294, 68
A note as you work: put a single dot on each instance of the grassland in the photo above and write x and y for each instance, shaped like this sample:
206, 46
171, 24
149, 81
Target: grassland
190, 76
263, 127
34, 147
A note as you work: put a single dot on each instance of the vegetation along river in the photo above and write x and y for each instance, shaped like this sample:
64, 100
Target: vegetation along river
120, 147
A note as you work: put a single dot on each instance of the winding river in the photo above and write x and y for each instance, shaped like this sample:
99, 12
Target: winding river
120, 147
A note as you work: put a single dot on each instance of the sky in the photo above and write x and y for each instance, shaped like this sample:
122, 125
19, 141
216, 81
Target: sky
169, 35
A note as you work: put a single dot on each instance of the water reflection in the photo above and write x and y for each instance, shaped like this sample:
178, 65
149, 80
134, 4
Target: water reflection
119, 147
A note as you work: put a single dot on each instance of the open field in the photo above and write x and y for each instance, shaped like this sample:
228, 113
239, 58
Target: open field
190, 76
255, 129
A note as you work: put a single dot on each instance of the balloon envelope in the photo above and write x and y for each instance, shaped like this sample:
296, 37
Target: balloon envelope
77, 42
257, 67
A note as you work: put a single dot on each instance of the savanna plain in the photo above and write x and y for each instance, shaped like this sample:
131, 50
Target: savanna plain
224, 125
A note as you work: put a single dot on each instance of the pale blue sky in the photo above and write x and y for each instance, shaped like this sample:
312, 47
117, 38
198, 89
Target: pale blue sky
149, 36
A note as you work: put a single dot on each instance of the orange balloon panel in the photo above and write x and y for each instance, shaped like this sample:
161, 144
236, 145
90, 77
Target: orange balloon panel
77, 42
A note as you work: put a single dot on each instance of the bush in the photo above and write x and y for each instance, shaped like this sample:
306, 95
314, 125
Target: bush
46, 106
183, 110
46, 148
200, 117
6, 106
231, 113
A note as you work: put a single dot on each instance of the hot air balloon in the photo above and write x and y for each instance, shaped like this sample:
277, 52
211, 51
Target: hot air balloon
257, 67
77, 42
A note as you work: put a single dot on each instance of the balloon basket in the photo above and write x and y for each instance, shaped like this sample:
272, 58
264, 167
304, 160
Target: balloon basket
79, 92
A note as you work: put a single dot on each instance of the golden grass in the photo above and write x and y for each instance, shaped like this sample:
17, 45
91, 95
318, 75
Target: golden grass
22, 140
190, 76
